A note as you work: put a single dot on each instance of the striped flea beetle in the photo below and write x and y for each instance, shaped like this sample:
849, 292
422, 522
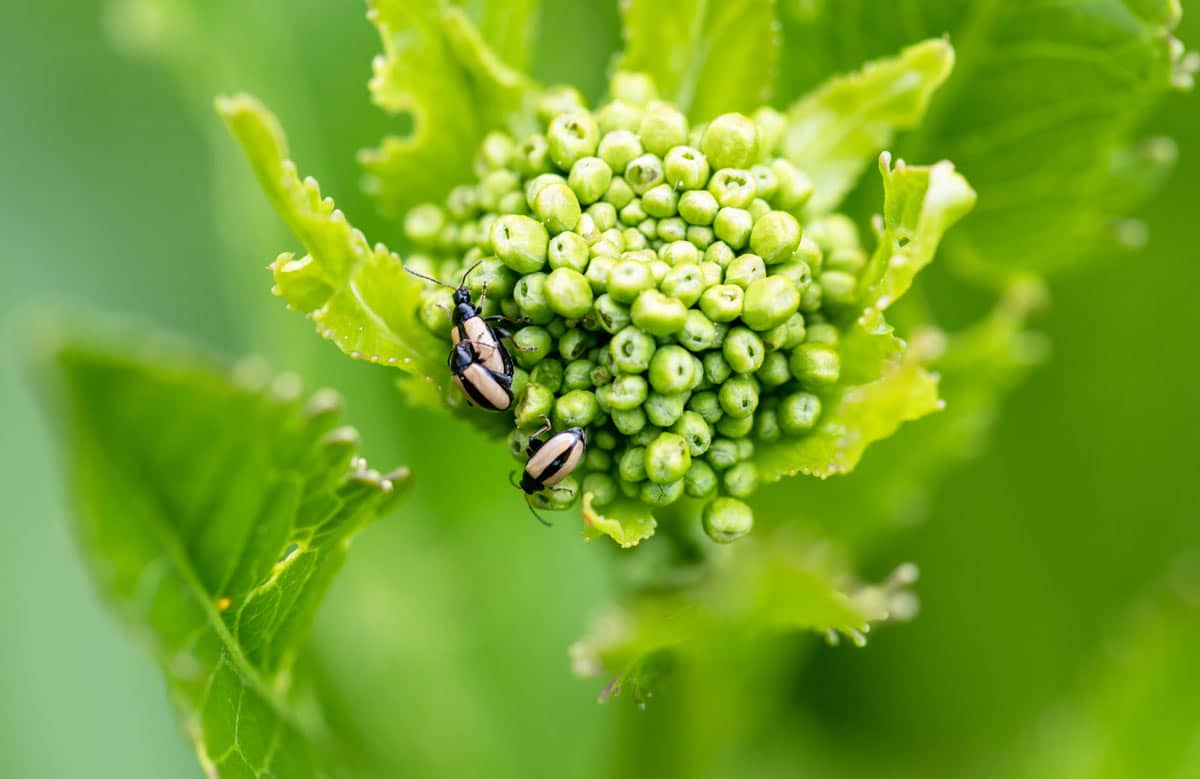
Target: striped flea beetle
483, 387
551, 461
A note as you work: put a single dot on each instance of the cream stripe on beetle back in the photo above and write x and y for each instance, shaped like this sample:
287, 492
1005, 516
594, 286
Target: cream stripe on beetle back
484, 383
487, 346
556, 458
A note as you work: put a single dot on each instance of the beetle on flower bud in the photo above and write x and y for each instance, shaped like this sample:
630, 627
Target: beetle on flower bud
552, 460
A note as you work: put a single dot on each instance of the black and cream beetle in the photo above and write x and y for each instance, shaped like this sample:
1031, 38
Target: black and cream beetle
483, 387
552, 460
469, 326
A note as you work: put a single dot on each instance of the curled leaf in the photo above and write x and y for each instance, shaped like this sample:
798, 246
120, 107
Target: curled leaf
626, 522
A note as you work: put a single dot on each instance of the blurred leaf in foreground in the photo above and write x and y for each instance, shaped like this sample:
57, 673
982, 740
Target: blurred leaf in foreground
213, 513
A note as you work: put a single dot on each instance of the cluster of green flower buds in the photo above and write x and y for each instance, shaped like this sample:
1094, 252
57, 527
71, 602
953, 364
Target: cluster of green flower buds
668, 299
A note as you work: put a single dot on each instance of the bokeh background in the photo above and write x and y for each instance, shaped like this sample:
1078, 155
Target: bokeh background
120, 193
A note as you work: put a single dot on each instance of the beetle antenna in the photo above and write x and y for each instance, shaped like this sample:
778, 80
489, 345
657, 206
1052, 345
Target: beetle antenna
427, 278
467, 272
538, 517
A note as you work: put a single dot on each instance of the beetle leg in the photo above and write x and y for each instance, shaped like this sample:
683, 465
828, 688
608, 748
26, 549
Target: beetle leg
545, 427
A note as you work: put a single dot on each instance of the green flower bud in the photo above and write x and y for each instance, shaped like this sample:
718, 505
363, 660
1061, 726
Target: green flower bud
649, 228
720, 253
794, 187
733, 226
619, 193
672, 229
568, 293
604, 215
711, 274
556, 100
698, 207
716, 369
534, 404
630, 489
700, 237
533, 299
520, 243
810, 299
629, 421
635, 88
730, 141
838, 288
684, 283
769, 302
707, 406
772, 126
572, 136
766, 426
745, 449
517, 440
632, 465
520, 380
619, 148
577, 408
658, 314
632, 214
628, 279
590, 178
743, 350
727, 519
667, 459
660, 202
686, 168
744, 270
736, 428
558, 208
741, 481
463, 202
578, 374
533, 156
653, 494
732, 187
664, 410
798, 271
644, 173
774, 371
659, 270
700, 481
671, 370
495, 152
568, 250
695, 431
627, 392
663, 127
765, 182
823, 333
722, 454
549, 374
634, 240
619, 116
423, 224
604, 439
815, 365
632, 350
798, 413
698, 332
775, 237
597, 272
679, 253
739, 397
602, 488
611, 315
722, 303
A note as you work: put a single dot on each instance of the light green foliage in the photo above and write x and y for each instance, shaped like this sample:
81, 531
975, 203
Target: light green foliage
628, 522
778, 584
437, 70
707, 56
1043, 98
833, 132
358, 296
883, 382
214, 512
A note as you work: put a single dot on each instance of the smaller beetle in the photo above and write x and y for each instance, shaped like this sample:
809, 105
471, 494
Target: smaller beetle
552, 460
483, 387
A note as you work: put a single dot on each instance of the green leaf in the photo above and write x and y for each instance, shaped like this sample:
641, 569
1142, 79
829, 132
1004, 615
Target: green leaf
884, 382
708, 56
213, 513
1139, 711
834, 132
920, 205
772, 585
628, 522
439, 72
358, 296
508, 26
1043, 95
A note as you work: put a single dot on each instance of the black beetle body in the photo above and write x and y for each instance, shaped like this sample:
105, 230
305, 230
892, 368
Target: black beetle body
552, 460
483, 387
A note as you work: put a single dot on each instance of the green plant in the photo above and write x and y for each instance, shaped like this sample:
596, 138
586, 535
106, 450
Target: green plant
688, 599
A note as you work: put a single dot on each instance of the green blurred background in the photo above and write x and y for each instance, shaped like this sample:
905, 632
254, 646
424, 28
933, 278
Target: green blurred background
120, 194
